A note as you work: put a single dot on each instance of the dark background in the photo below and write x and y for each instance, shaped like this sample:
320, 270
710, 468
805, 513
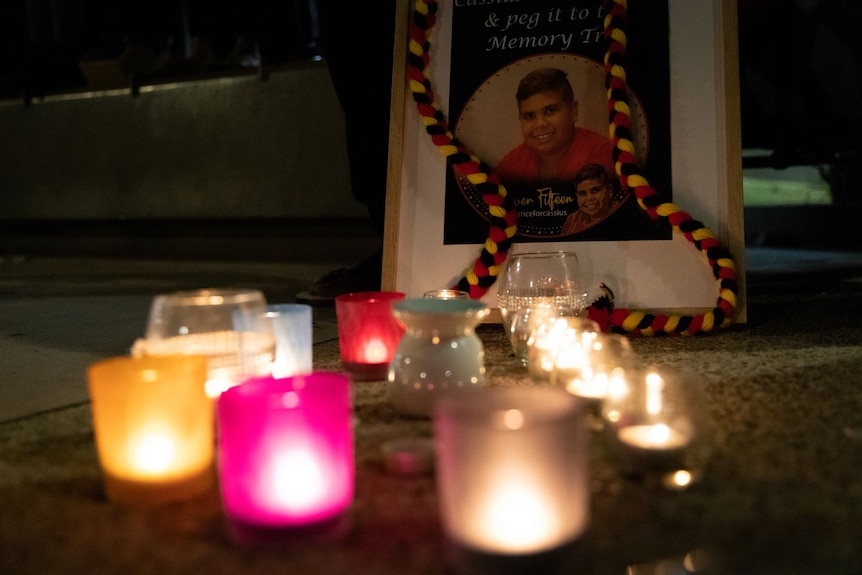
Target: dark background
800, 63
43, 43
801, 87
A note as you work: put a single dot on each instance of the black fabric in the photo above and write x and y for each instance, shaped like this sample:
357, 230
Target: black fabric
357, 42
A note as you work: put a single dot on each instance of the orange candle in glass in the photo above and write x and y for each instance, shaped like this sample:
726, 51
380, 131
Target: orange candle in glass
153, 424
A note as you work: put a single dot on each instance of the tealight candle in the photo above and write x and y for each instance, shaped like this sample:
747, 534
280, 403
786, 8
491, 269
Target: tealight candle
590, 364
368, 333
657, 436
154, 427
512, 471
550, 335
520, 324
657, 427
286, 460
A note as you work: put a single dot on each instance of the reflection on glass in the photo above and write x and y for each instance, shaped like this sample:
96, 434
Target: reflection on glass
657, 427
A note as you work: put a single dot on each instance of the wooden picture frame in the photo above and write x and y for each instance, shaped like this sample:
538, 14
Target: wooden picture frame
664, 276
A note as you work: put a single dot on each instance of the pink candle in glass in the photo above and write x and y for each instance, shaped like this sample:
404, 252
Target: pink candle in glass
286, 456
368, 333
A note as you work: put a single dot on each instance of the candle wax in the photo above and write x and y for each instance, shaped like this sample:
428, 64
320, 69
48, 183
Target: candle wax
655, 437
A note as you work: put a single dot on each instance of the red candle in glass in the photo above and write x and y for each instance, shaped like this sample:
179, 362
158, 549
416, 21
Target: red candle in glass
368, 333
286, 455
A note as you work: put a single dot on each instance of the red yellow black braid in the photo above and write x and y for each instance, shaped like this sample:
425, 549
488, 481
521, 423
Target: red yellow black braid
487, 266
723, 268
484, 271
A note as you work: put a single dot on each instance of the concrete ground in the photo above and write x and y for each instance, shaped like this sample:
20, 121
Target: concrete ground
60, 314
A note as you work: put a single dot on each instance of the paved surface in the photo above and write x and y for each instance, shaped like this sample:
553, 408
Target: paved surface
59, 315
781, 494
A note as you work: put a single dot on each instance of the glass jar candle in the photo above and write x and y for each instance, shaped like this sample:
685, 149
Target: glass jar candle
368, 333
512, 477
286, 456
153, 424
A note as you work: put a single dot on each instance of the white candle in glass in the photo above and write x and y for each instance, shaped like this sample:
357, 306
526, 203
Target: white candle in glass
516, 515
512, 469
655, 432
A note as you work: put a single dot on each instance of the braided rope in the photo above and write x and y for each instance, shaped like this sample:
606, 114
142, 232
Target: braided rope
720, 260
482, 275
485, 269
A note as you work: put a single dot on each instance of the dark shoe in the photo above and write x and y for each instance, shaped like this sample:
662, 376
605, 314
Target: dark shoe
364, 276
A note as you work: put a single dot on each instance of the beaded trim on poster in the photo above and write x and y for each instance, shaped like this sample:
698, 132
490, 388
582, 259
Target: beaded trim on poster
484, 271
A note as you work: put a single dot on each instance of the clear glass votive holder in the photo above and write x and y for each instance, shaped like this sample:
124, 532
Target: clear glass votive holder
153, 425
286, 456
657, 428
589, 364
531, 280
205, 310
549, 334
368, 333
291, 325
522, 322
203, 322
512, 478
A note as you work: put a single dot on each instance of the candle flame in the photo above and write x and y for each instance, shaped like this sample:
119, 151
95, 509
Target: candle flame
513, 419
519, 518
655, 386
298, 482
681, 478
590, 384
375, 352
154, 452
655, 436
659, 434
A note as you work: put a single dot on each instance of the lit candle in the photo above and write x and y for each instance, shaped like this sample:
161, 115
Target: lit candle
660, 429
368, 333
656, 436
552, 335
374, 351
286, 452
590, 364
154, 428
512, 470
515, 517
654, 388
655, 448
